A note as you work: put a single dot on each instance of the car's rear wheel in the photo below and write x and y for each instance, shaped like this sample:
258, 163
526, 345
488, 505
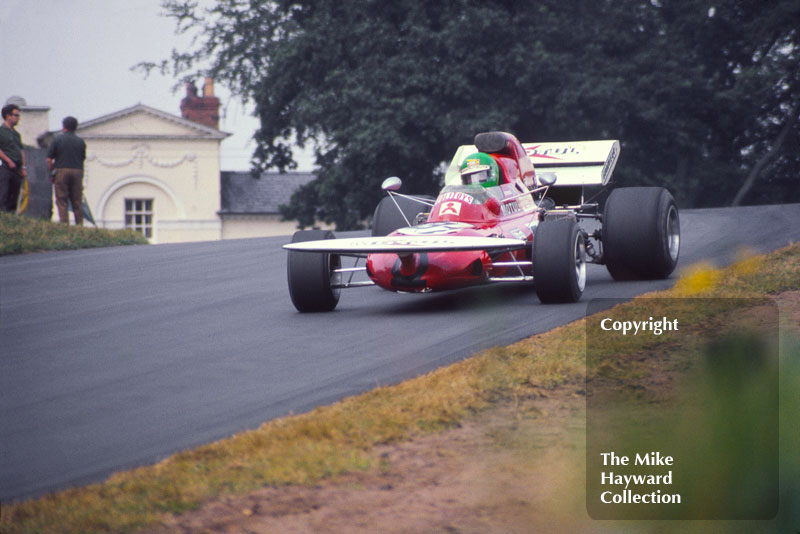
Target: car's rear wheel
311, 275
641, 233
388, 218
559, 261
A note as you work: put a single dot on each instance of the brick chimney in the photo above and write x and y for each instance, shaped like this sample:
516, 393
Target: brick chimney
202, 109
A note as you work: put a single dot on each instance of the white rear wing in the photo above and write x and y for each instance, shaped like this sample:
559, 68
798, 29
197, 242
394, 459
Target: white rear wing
573, 162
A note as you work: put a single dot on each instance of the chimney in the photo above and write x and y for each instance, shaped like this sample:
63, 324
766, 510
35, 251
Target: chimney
201, 109
208, 87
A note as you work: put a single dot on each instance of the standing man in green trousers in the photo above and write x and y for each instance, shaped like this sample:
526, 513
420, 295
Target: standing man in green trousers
66, 155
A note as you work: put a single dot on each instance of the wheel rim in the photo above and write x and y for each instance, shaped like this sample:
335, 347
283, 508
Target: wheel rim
579, 253
673, 233
335, 263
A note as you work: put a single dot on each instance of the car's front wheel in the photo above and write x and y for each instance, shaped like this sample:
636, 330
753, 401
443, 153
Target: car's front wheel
389, 216
312, 276
559, 261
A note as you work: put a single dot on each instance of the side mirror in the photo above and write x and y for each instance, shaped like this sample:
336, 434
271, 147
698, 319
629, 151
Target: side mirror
546, 178
392, 183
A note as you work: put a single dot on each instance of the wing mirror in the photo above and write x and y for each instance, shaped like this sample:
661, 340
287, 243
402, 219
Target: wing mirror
546, 178
392, 183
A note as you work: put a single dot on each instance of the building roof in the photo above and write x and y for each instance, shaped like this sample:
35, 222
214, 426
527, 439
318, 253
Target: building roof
193, 129
244, 195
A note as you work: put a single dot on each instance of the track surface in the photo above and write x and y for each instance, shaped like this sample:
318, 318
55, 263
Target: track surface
113, 358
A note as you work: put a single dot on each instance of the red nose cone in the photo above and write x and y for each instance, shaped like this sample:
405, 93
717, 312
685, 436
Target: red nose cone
409, 264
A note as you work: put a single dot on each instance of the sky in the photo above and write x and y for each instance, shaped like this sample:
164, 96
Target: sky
75, 56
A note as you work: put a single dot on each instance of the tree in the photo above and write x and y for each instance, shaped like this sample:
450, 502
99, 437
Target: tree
745, 54
697, 93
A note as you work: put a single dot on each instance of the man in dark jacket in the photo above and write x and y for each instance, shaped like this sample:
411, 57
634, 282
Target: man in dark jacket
12, 159
66, 155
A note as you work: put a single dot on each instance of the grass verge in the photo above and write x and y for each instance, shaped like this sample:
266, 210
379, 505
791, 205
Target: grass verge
339, 438
19, 234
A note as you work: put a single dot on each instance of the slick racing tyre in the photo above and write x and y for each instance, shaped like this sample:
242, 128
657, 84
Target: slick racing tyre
559, 261
641, 233
311, 275
387, 218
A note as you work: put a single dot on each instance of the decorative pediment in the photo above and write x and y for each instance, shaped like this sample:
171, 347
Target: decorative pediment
142, 159
144, 122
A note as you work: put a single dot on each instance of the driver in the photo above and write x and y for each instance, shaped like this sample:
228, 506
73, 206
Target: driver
480, 169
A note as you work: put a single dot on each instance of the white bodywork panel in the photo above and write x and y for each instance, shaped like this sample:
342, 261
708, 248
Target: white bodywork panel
406, 244
573, 162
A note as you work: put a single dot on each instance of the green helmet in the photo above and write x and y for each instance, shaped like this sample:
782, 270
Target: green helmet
480, 169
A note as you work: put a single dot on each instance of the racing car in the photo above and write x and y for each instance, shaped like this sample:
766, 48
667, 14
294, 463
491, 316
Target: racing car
509, 212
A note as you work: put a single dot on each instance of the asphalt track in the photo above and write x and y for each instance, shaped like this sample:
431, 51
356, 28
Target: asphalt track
114, 358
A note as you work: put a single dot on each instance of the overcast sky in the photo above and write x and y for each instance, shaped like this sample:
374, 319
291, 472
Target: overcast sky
75, 56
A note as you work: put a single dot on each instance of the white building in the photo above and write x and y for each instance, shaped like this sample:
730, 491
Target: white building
159, 173
154, 172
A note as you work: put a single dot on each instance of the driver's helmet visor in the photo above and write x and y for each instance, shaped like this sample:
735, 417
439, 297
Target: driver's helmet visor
476, 175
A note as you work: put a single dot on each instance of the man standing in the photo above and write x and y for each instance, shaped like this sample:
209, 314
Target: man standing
66, 155
12, 159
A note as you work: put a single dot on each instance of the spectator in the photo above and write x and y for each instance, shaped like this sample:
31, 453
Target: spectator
66, 155
12, 159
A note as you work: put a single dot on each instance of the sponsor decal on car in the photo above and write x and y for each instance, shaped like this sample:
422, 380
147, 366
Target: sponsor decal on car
610, 162
452, 207
553, 152
414, 242
444, 227
510, 207
456, 195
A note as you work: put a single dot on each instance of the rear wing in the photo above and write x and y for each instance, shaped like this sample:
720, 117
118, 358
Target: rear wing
573, 162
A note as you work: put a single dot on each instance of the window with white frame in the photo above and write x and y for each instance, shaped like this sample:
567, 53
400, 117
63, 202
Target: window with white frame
139, 215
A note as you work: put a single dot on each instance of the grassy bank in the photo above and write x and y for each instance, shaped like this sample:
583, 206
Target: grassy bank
19, 234
340, 438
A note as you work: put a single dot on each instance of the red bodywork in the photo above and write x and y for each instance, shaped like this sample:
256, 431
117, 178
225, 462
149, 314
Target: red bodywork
507, 210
